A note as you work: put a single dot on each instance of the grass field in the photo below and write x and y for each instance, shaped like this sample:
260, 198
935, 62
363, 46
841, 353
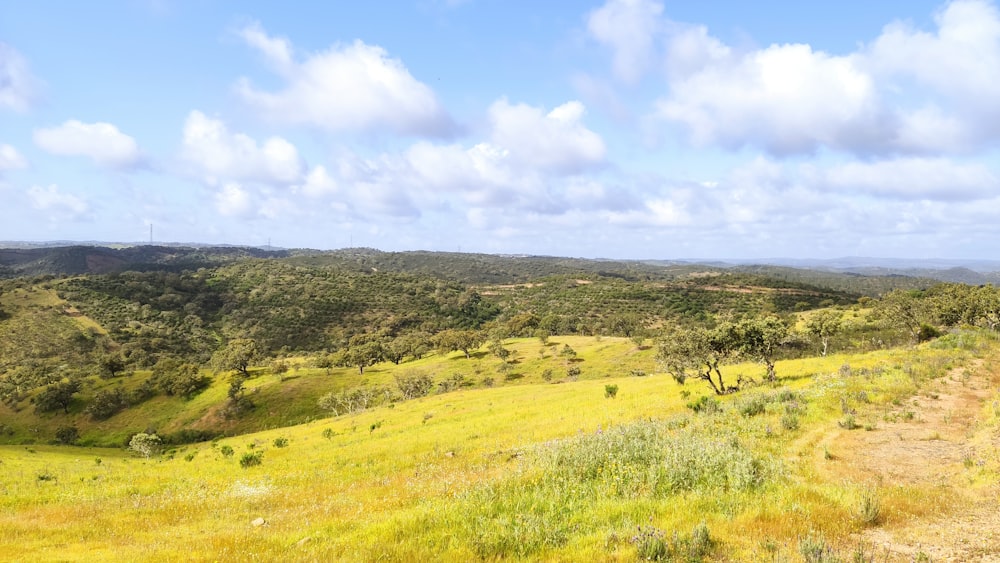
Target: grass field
527, 469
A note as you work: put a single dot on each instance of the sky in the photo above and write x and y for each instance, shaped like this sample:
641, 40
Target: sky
616, 129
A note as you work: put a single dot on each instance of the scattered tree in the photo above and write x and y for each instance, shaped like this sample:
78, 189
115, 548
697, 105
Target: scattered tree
823, 325
58, 395
760, 338
697, 353
452, 340
237, 355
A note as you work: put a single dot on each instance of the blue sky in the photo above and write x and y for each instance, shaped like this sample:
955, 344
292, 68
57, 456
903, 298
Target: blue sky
624, 128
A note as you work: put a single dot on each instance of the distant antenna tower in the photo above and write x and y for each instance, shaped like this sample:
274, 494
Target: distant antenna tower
151, 234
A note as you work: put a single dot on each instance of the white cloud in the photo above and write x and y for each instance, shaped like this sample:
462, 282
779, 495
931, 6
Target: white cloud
962, 59
101, 142
217, 155
958, 67
915, 178
234, 201
319, 183
910, 91
356, 87
11, 159
58, 204
18, 87
786, 98
629, 28
556, 141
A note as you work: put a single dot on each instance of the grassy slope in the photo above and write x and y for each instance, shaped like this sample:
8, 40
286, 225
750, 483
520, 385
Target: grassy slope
410, 481
293, 400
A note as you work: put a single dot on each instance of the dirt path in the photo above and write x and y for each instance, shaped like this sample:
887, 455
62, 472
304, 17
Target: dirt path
931, 441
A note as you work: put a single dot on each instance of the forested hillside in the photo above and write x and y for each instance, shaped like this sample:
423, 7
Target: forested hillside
165, 330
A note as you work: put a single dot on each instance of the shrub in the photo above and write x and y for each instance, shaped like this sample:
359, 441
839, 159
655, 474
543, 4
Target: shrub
355, 400
547, 374
790, 422
67, 435
815, 550
573, 373
280, 442
251, 459
652, 544
414, 384
107, 404
705, 404
927, 332
610, 391
869, 510
752, 405
146, 445
227, 451
848, 423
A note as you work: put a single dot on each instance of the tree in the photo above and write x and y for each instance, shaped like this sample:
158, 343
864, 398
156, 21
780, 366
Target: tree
823, 325
237, 355
57, 395
179, 379
106, 404
759, 338
452, 340
360, 356
902, 307
111, 365
498, 350
697, 353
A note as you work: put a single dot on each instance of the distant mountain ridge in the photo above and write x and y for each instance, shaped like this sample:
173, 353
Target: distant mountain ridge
60, 257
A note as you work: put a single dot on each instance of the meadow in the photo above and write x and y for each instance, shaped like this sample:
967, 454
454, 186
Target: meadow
620, 464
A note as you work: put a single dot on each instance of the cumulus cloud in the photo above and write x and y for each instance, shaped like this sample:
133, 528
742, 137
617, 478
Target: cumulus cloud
319, 183
11, 159
958, 68
234, 201
101, 142
355, 87
58, 204
216, 155
18, 87
531, 160
909, 91
786, 98
629, 28
556, 141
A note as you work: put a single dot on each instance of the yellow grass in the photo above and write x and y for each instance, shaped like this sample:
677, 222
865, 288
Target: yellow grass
400, 482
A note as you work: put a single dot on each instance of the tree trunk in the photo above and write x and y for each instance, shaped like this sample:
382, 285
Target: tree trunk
771, 375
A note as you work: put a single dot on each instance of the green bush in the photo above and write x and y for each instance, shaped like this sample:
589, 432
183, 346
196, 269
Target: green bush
610, 391
705, 405
280, 442
251, 459
226, 451
67, 435
107, 404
